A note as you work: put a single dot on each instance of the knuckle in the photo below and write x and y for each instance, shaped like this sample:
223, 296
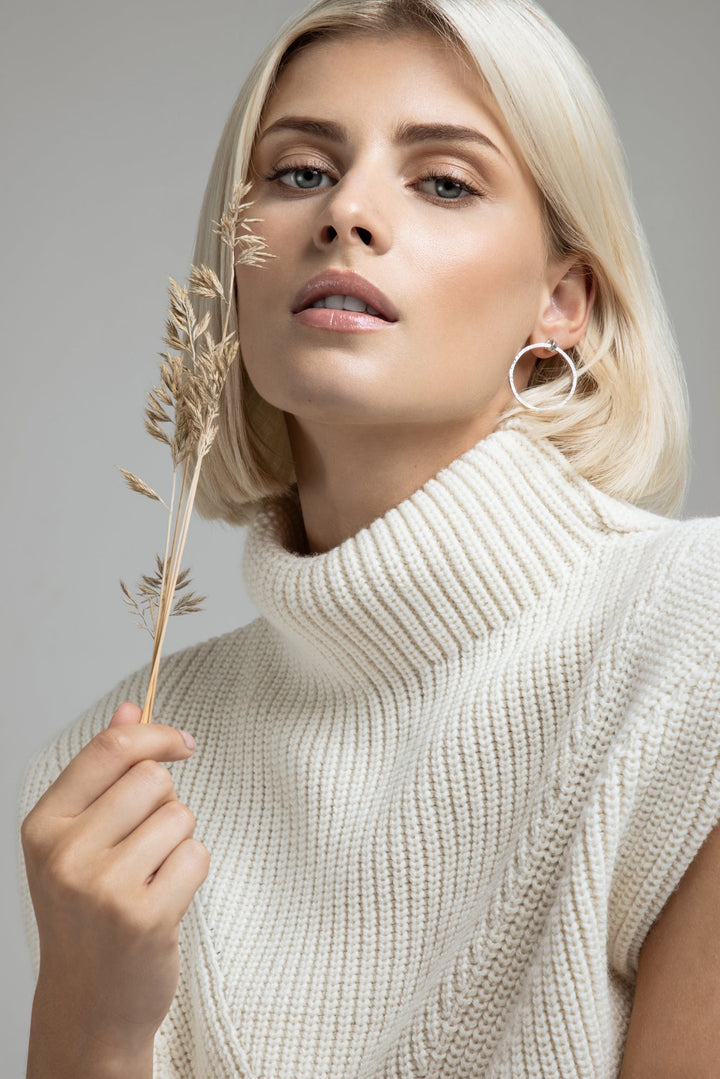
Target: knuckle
112, 742
154, 775
199, 854
181, 814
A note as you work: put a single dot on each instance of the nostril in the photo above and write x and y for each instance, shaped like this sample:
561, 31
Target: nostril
364, 234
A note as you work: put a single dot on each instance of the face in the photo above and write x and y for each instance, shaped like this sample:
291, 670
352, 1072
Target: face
447, 225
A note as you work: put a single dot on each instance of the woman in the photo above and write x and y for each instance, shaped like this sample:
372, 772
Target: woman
457, 787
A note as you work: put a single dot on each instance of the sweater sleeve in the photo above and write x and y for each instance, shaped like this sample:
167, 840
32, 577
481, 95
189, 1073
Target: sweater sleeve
665, 775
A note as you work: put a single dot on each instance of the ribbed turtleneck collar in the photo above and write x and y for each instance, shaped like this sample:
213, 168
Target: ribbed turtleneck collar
463, 555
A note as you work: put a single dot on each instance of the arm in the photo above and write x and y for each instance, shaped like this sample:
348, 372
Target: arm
674, 1030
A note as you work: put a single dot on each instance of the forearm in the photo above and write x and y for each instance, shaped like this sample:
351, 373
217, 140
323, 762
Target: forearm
63, 1045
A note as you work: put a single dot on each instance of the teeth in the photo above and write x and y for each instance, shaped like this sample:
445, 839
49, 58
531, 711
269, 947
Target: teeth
345, 303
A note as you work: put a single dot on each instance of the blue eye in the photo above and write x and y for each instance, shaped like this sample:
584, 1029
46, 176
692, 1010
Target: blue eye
455, 189
305, 177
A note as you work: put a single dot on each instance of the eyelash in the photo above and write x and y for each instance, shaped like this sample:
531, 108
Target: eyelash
312, 167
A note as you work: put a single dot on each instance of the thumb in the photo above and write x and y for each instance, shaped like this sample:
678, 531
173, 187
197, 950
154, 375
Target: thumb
126, 715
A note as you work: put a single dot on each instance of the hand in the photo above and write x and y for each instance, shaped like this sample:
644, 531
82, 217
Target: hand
112, 868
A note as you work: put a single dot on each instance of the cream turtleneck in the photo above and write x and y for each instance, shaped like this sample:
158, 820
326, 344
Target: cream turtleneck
466, 554
447, 779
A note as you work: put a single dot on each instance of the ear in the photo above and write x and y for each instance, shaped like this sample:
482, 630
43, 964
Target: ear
567, 303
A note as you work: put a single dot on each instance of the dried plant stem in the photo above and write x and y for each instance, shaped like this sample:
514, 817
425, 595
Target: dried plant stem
192, 376
171, 571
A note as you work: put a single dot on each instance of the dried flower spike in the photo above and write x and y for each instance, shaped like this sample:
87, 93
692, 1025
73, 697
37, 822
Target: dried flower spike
182, 412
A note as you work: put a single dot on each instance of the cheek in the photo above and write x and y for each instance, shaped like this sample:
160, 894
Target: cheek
253, 284
481, 308
484, 285
256, 288
266, 290
250, 302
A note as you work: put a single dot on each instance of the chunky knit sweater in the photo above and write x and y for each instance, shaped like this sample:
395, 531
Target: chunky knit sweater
448, 780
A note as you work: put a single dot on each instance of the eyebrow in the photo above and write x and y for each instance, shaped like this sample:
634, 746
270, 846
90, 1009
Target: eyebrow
404, 134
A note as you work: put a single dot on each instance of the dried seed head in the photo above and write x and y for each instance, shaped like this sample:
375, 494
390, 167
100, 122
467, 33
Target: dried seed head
188, 604
172, 338
204, 282
233, 214
251, 250
156, 432
136, 484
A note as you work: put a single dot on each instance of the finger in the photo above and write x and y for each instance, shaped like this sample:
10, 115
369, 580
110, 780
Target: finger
124, 806
126, 715
109, 755
179, 877
144, 851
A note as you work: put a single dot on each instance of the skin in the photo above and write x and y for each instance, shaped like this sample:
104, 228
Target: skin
373, 416
674, 1030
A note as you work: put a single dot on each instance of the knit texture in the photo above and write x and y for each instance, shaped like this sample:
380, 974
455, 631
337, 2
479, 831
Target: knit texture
448, 780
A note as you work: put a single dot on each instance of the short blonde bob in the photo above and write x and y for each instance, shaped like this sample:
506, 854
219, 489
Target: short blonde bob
625, 429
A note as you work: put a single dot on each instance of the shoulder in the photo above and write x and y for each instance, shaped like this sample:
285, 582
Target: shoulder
681, 574
666, 566
672, 635
657, 581
627, 551
194, 677
694, 545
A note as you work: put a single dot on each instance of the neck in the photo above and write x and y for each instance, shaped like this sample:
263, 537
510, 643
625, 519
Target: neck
349, 476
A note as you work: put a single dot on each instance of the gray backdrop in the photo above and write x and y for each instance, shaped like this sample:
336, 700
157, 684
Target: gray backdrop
110, 116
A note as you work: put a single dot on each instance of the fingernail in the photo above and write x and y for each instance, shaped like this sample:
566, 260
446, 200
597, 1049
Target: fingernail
188, 739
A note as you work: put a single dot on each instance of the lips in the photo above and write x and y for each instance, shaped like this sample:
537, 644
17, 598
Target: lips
344, 283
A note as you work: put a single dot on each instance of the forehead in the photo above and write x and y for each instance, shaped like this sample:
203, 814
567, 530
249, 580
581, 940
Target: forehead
414, 71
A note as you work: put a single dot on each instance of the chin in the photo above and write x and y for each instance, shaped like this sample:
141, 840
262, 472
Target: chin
327, 394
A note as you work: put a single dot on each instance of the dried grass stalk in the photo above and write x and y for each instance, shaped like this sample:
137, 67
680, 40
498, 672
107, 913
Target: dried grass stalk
182, 412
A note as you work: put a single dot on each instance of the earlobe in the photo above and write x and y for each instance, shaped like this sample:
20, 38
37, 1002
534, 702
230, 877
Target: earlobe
566, 316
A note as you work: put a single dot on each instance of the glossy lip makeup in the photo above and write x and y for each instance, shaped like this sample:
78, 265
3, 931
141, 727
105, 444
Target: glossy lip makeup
327, 318
335, 285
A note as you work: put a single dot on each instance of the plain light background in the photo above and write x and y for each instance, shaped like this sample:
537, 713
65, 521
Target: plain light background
110, 117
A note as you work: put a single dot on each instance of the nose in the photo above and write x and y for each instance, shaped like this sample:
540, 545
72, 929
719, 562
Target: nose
351, 215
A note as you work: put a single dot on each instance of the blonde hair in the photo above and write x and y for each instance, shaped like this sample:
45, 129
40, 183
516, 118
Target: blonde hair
625, 429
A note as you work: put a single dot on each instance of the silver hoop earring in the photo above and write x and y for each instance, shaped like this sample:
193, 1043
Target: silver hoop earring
553, 347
